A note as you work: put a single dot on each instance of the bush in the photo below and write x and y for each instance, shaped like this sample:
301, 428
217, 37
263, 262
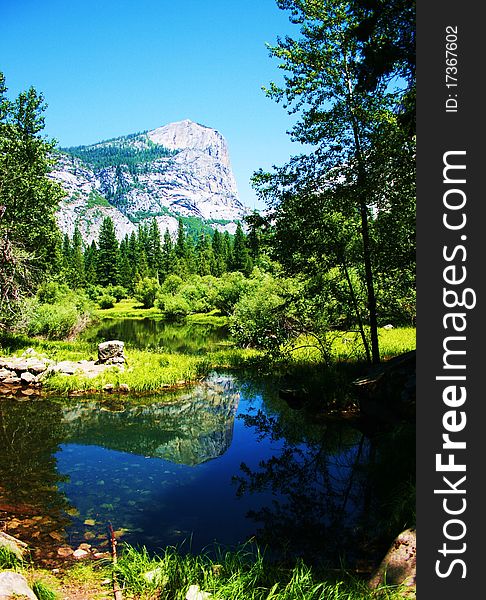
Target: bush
264, 315
118, 291
52, 292
229, 291
106, 301
171, 284
174, 307
54, 321
55, 312
146, 291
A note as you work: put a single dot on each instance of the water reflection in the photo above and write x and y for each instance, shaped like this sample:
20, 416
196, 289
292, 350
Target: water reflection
187, 338
30, 500
225, 460
339, 496
196, 426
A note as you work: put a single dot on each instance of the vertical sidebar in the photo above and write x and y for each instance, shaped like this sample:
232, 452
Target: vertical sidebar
451, 417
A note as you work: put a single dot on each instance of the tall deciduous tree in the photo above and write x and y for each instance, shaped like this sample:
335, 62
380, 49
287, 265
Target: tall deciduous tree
29, 237
345, 177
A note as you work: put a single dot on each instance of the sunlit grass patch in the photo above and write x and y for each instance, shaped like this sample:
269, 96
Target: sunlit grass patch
348, 345
144, 372
128, 308
243, 573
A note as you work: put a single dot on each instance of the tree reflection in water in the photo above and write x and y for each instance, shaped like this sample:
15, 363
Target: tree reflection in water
31, 505
333, 489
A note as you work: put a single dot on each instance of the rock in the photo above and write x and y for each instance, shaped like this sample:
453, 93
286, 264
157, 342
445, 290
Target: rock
80, 553
12, 380
123, 387
400, 563
156, 577
11, 543
28, 392
195, 593
66, 366
65, 551
389, 326
27, 378
13, 585
196, 181
109, 387
111, 350
4, 373
37, 367
85, 546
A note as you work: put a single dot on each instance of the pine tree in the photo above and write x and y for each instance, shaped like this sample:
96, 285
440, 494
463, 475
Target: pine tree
241, 258
154, 251
180, 246
107, 263
168, 255
219, 265
90, 260
77, 260
227, 251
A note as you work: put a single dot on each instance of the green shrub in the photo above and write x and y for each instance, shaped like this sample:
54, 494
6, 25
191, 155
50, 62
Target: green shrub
118, 291
54, 321
43, 592
171, 284
174, 307
146, 291
229, 291
8, 559
52, 292
106, 301
264, 316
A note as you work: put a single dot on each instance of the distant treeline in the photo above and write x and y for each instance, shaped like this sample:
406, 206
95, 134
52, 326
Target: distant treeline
147, 253
101, 157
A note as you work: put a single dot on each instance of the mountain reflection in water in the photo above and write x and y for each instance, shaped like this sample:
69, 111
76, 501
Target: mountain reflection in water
225, 460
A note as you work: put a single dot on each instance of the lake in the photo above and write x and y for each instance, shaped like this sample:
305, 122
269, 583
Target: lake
226, 460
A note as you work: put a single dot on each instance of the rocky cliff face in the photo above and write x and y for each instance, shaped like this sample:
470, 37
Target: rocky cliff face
180, 169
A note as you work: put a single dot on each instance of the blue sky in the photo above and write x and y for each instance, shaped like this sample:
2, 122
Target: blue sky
112, 67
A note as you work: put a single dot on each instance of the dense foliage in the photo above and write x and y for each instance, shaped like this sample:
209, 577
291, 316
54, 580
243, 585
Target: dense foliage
348, 203
29, 237
148, 255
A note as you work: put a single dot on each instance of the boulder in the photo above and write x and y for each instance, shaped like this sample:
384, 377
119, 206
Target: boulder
400, 563
11, 543
14, 585
111, 352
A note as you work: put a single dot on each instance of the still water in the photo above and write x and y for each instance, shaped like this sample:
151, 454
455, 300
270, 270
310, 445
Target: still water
187, 338
226, 460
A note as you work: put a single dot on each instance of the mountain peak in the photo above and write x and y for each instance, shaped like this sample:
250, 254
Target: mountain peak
179, 169
188, 135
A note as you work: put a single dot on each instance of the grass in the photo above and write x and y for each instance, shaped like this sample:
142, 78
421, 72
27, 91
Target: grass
347, 346
148, 371
8, 559
129, 308
241, 574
